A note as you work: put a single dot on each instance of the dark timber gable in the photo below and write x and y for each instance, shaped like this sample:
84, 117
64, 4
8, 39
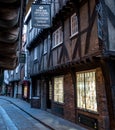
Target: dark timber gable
93, 47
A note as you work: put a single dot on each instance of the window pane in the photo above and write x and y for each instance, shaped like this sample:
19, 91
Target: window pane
58, 89
57, 37
80, 91
86, 90
90, 86
74, 24
60, 35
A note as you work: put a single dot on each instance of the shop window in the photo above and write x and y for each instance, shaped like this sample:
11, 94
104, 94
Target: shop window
74, 24
86, 90
57, 37
58, 90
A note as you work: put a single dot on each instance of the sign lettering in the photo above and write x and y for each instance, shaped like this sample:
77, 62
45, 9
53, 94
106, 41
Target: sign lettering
41, 15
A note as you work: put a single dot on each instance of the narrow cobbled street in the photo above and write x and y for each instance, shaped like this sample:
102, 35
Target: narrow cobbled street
16, 114
12, 118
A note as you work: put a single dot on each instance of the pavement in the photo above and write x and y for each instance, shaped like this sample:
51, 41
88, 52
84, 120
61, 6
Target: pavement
46, 118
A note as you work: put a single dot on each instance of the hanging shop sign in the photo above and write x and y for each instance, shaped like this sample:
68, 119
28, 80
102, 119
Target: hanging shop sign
41, 15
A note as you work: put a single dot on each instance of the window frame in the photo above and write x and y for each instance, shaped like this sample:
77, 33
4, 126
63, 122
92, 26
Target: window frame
76, 32
84, 85
57, 37
58, 93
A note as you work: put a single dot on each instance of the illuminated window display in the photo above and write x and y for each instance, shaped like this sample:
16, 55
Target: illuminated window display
58, 90
86, 90
25, 91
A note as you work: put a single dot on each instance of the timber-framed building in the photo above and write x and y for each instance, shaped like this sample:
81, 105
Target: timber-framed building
72, 63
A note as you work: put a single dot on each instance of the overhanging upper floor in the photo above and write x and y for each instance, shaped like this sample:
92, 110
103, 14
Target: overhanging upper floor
11, 14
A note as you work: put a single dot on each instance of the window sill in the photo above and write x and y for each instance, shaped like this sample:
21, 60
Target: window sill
45, 53
56, 45
35, 60
73, 35
59, 103
89, 111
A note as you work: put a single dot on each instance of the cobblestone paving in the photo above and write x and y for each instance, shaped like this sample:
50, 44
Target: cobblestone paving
21, 120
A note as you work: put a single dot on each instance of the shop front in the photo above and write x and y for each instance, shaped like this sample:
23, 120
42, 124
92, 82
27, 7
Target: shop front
80, 97
91, 100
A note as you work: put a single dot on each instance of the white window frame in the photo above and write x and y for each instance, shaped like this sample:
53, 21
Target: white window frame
59, 89
35, 53
74, 25
57, 37
86, 90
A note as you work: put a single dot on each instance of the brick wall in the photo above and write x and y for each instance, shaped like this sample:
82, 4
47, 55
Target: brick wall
69, 108
102, 101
